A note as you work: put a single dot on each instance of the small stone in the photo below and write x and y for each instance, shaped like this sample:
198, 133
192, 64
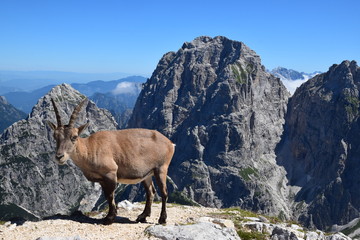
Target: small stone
254, 219
224, 223
12, 226
263, 219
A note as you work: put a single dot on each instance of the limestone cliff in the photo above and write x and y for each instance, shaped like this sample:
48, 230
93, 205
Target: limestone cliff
321, 147
225, 113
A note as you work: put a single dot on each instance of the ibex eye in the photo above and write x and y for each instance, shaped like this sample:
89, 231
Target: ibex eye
73, 138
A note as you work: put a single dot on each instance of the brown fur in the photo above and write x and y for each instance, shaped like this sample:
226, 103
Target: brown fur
127, 156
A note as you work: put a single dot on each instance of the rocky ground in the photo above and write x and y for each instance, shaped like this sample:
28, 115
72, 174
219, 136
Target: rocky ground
90, 228
184, 222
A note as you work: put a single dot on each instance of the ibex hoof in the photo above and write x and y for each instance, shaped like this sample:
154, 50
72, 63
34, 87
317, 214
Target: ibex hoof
141, 219
162, 220
108, 220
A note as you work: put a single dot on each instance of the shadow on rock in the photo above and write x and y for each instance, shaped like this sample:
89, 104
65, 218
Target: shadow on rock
81, 218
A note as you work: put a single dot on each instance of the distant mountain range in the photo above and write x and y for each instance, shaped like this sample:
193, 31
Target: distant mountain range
24, 101
119, 101
292, 79
9, 114
129, 84
118, 96
11, 81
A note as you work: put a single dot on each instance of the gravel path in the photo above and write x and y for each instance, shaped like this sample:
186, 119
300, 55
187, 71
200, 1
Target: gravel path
91, 228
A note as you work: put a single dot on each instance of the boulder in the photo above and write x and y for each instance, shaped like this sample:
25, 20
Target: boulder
203, 230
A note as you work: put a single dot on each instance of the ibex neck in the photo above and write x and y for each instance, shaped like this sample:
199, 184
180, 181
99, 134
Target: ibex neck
80, 153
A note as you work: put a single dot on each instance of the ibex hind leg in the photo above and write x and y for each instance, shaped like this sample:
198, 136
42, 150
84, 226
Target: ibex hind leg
150, 192
108, 185
160, 176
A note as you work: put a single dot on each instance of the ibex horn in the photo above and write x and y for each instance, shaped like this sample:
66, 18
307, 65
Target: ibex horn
75, 113
58, 118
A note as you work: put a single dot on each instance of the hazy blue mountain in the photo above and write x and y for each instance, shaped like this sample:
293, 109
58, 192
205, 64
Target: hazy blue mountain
4, 89
24, 101
8, 114
91, 88
32, 80
120, 101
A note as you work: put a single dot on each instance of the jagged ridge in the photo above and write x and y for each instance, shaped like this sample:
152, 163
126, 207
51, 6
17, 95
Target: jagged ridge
320, 147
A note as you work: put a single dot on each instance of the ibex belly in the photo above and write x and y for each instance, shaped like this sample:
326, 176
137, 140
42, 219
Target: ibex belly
134, 180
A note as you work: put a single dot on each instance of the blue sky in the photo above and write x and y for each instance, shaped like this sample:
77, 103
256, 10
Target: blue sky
131, 36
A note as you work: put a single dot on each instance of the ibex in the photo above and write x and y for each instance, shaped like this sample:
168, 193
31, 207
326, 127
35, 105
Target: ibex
126, 156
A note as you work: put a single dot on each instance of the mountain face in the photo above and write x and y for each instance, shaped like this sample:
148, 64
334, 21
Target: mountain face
226, 114
32, 186
292, 79
8, 114
321, 147
214, 99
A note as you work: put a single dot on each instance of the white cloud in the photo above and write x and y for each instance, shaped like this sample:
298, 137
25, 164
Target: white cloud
126, 88
292, 85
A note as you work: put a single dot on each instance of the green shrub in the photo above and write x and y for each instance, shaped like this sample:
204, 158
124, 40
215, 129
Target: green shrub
251, 235
246, 172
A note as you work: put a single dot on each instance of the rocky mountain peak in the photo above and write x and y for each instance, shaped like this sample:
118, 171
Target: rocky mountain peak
3, 100
342, 75
284, 73
33, 186
63, 93
220, 49
202, 63
346, 64
320, 146
215, 100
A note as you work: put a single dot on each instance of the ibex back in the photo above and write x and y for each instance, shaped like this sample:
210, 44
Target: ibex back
127, 156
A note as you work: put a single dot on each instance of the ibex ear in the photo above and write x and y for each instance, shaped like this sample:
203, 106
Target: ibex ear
51, 125
83, 127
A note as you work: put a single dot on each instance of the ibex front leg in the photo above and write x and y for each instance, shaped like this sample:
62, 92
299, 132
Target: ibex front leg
108, 185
